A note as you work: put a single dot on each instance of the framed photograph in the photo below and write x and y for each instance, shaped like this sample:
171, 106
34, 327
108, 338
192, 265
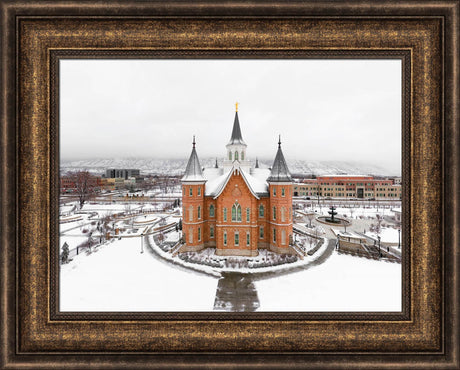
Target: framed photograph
230, 185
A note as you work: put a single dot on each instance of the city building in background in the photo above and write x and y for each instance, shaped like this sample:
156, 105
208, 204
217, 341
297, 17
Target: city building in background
347, 186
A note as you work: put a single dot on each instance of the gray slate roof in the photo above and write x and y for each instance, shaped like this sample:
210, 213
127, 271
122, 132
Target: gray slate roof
193, 171
236, 138
280, 171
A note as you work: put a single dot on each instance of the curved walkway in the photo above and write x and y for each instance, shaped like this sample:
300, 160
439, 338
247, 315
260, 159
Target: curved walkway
318, 261
323, 254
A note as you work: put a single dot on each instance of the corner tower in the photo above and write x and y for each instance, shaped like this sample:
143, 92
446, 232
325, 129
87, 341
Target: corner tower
236, 147
193, 188
280, 216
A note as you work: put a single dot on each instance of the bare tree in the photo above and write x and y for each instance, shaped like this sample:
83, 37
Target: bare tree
311, 217
85, 185
351, 212
379, 223
104, 226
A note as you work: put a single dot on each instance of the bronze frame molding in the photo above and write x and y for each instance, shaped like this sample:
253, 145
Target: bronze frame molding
35, 34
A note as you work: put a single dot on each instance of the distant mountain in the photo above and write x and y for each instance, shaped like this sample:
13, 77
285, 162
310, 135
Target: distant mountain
177, 166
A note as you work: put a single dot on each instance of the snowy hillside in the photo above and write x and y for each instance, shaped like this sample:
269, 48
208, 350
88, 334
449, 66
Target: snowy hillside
177, 166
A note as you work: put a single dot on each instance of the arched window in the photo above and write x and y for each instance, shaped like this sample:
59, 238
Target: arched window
248, 215
230, 155
190, 236
274, 213
225, 214
274, 235
282, 192
237, 238
199, 234
211, 231
190, 213
199, 191
261, 211
236, 156
283, 214
225, 238
199, 212
261, 232
242, 156
274, 191
236, 213
248, 238
283, 236
211, 210
190, 191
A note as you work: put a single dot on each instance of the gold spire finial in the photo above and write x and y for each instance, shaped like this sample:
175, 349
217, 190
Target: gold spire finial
236, 106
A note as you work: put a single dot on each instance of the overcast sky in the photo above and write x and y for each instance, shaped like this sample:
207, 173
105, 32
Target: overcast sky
346, 110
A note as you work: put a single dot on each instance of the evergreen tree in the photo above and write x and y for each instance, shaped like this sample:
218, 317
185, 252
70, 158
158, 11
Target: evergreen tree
65, 253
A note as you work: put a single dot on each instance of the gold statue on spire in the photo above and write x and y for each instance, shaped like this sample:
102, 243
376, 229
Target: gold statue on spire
236, 106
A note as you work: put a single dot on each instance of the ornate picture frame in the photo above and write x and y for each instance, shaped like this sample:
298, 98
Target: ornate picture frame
35, 35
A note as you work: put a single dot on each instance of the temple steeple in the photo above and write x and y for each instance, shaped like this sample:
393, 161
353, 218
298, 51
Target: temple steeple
193, 171
280, 171
236, 137
236, 147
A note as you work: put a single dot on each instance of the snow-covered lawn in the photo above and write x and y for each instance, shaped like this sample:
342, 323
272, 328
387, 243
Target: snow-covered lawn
387, 235
117, 277
342, 283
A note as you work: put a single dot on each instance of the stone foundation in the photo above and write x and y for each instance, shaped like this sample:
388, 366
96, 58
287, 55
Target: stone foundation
287, 250
193, 248
237, 252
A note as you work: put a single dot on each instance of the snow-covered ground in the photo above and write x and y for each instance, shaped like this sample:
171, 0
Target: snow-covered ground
342, 283
387, 235
117, 277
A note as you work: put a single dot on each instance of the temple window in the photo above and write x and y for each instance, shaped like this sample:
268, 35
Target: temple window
236, 213
261, 211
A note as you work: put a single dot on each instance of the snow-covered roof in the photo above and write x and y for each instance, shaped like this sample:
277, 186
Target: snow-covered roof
256, 182
211, 173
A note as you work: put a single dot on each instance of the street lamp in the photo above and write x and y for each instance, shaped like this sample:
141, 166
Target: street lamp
142, 243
